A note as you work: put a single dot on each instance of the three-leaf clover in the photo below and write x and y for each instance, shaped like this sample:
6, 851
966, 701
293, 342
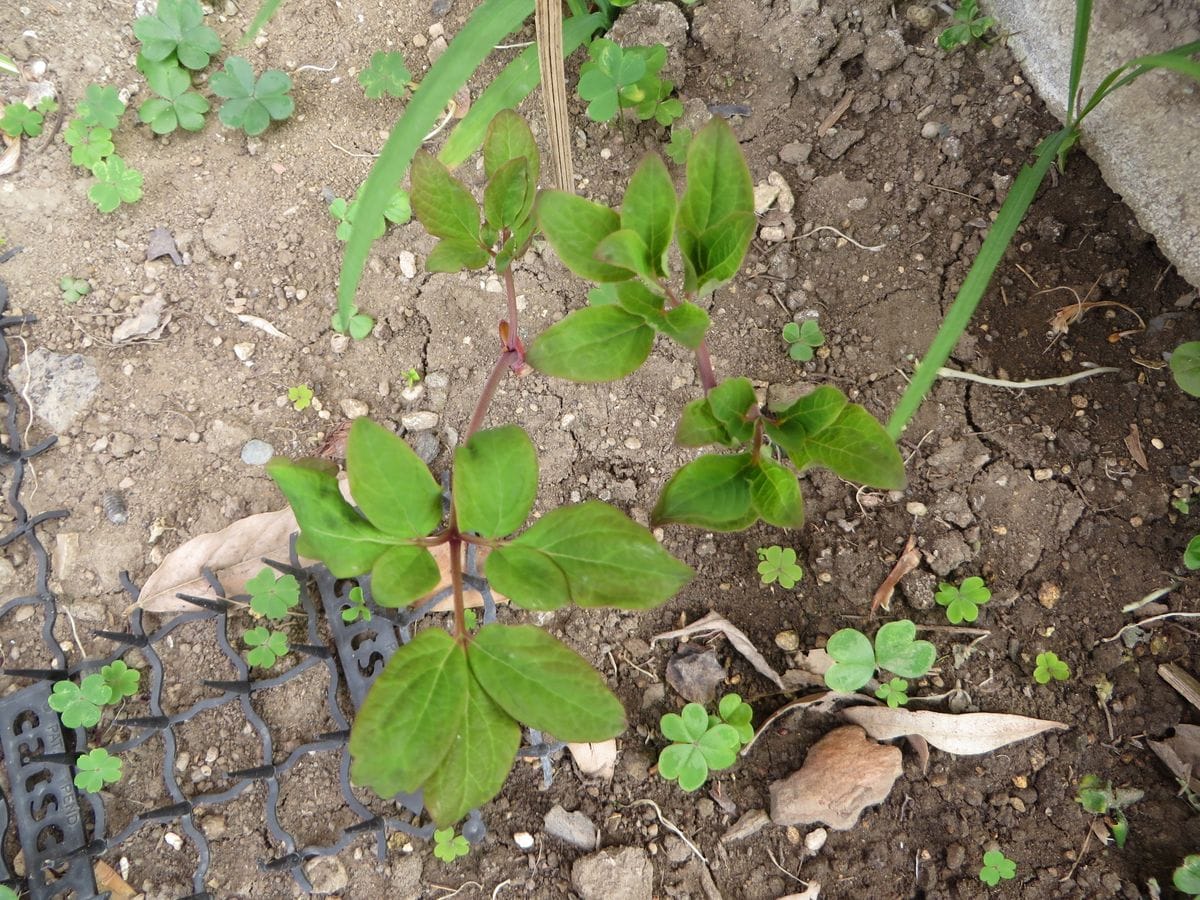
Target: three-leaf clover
175, 106
178, 28
300, 396
700, 746
273, 597
268, 646
96, 769
1050, 666
358, 324
89, 144
602, 78
779, 564
386, 74
116, 184
734, 712
1187, 875
896, 650
73, 289
996, 866
249, 104
357, 608
803, 338
101, 107
79, 704
677, 148
895, 692
122, 681
447, 846
1191, 556
971, 27
398, 211
19, 119
962, 603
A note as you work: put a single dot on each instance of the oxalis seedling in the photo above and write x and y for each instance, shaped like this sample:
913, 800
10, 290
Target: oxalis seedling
1048, 666
896, 650
969, 27
89, 144
1100, 798
803, 338
272, 596
101, 107
19, 119
176, 106
95, 769
73, 289
962, 603
266, 646
448, 846
300, 396
116, 183
251, 104
996, 867
387, 74
779, 564
397, 212
703, 743
357, 608
176, 32
1187, 875
617, 78
79, 705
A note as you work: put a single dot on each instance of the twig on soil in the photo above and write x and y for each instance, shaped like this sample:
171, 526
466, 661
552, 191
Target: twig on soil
670, 826
847, 237
785, 871
1032, 280
75, 631
908, 458
835, 114
938, 187
353, 153
455, 891
1149, 598
312, 68
496, 890
1078, 859
520, 46
1023, 385
647, 673
1159, 618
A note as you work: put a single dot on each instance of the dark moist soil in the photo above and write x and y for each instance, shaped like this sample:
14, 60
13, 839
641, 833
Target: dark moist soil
1036, 491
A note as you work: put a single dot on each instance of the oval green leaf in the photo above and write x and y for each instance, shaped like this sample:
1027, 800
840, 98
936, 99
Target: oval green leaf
495, 481
596, 343
402, 575
1185, 367
574, 227
853, 660
441, 202
718, 181
709, 492
897, 651
390, 484
775, 491
649, 210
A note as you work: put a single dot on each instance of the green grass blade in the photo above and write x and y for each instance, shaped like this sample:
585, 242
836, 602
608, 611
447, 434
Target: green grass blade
489, 24
261, 18
1083, 24
508, 89
1012, 212
1175, 60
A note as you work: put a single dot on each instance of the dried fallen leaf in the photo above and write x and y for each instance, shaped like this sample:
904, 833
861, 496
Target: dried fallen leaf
741, 643
909, 560
595, 760
1133, 443
262, 325
162, 243
11, 156
963, 735
1181, 754
824, 703
1182, 681
146, 324
107, 879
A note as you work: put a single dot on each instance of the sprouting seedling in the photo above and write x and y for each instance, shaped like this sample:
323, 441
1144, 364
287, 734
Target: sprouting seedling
19, 119
267, 647
1181, 505
300, 396
89, 144
736, 713
74, 289
962, 603
448, 846
1187, 875
273, 597
251, 104
779, 564
176, 106
358, 607
1049, 666
387, 74
677, 147
802, 339
398, 211
700, 746
101, 107
116, 183
471, 619
96, 769
79, 704
1191, 556
1099, 797
896, 650
411, 378
350, 321
618, 78
121, 680
969, 26
894, 692
996, 866
177, 31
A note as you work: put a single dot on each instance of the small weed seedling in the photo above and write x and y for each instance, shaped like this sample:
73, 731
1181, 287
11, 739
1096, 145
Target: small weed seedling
733, 711
701, 744
1100, 798
617, 78
896, 650
894, 692
962, 603
251, 104
1191, 556
1185, 367
448, 846
177, 31
411, 378
89, 144
387, 74
272, 597
1049, 666
115, 184
996, 866
300, 396
803, 338
779, 564
969, 27
176, 106
96, 769
357, 608
78, 705
101, 107
121, 680
266, 647
1181, 505
74, 289
1187, 876
19, 119
398, 211
677, 148
350, 321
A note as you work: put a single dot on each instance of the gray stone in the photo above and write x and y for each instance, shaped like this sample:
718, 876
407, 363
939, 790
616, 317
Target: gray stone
59, 388
427, 445
573, 828
257, 453
918, 589
327, 874
796, 153
837, 141
949, 552
223, 437
438, 385
695, 674
8, 572
353, 409
624, 873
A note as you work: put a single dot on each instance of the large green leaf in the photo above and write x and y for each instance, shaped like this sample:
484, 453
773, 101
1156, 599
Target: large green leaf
455, 254
404, 574
574, 227
505, 194
412, 716
775, 492
390, 484
625, 249
731, 402
649, 209
720, 250
686, 324
709, 492
698, 427
474, 770
813, 412
855, 447
330, 528
508, 137
441, 202
543, 684
1185, 367
596, 343
718, 181
495, 481
604, 558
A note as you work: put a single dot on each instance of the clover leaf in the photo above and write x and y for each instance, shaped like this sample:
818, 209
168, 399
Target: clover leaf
300, 396
386, 74
962, 603
1191, 555
270, 596
1048, 666
88, 145
249, 104
732, 711
897, 650
268, 646
700, 746
447, 846
96, 769
175, 106
358, 607
602, 78
358, 324
19, 119
101, 107
853, 660
803, 338
1187, 876
996, 866
677, 148
122, 681
116, 184
79, 704
779, 564
894, 692
73, 289
398, 211
177, 28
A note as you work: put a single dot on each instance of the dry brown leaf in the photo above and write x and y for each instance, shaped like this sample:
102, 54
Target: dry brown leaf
595, 760
963, 735
1133, 443
824, 702
1184, 683
909, 559
146, 324
107, 879
1181, 754
11, 157
715, 622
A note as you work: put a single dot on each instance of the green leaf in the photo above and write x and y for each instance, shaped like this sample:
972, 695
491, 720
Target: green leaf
251, 105
474, 770
442, 203
88, 145
714, 256
508, 138
683, 763
775, 492
634, 297
894, 692
96, 769
413, 715
115, 184
698, 427
403, 574
270, 596
1185, 367
575, 227
268, 646
177, 27
264, 15
718, 181
122, 681
590, 554
387, 74
730, 403
454, 254
719, 746
495, 481
101, 106
779, 564
505, 194
543, 684
390, 484
686, 726
624, 249
737, 714
897, 650
649, 209
19, 119
1187, 876
812, 413
1048, 666
79, 704
710, 492
596, 343
853, 660
1191, 556
686, 324
176, 106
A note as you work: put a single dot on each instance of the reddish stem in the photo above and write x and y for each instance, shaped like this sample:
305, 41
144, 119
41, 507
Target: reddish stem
460, 616
708, 379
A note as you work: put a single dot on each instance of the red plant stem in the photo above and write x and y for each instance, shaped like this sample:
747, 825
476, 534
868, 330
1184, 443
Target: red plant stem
510, 289
756, 450
704, 367
460, 616
507, 358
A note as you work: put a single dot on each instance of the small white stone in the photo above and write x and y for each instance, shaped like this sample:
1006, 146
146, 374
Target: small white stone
257, 453
420, 421
413, 393
524, 840
1043, 474
567, 421
174, 841
916, 508
339, 342
243, 351
930, 130
1156, 443
815, 839
353, 409
408, 264
632, 443
773, 233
